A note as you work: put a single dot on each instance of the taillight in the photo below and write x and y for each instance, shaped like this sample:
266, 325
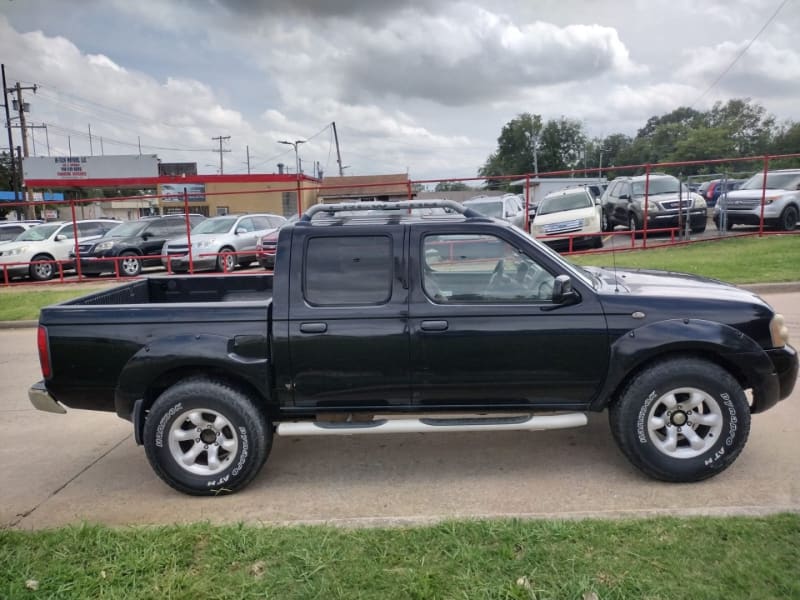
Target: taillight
710, 191
44, 352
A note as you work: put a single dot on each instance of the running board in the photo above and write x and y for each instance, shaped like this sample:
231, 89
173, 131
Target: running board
522, 423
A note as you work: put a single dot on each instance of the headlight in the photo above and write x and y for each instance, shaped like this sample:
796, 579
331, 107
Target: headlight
104, 246
778, 331
699, 202
16, 251
770, 199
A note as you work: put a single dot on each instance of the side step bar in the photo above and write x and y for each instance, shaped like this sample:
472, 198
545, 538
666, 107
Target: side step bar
522, 423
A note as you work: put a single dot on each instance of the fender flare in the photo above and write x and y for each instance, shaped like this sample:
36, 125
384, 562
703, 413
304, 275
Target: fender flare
243, 357
640, 346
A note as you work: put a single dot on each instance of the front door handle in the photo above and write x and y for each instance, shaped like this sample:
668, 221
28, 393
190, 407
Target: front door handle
433, 325
313, 327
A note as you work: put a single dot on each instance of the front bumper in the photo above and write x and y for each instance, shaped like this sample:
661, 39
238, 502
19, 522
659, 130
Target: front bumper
746, 218
42, 400
779, 384
180, 262
697, 219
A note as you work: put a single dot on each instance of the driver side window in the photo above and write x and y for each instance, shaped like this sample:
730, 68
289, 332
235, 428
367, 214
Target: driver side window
481, 269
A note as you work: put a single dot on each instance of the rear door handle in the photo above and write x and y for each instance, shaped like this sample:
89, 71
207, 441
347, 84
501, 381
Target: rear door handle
313, 327
433, 325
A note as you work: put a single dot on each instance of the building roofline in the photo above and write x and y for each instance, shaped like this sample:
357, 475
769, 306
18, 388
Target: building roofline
136, 182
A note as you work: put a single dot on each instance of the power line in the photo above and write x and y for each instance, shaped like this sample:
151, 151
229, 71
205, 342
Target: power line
738, 56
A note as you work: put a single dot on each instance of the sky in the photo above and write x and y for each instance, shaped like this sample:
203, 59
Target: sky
421, 86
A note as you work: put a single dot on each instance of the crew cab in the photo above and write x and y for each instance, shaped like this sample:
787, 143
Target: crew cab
390, 323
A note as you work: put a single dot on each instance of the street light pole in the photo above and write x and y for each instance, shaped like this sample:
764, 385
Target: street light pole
294, 145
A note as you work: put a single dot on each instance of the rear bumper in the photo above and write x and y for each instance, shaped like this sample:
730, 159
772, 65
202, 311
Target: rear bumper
42, 400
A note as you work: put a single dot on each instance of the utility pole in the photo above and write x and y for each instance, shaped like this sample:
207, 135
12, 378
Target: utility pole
21, 106
91, 150
248, 159
294, 145
14, 178
338, 153
220, 138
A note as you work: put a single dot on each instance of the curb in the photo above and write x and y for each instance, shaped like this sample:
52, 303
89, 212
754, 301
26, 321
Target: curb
757, 288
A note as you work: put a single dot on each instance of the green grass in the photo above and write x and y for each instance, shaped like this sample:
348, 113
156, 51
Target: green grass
20, 305
667, 558
745, 260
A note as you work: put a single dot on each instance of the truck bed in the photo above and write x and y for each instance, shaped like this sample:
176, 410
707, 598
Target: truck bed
94, 338
179, 289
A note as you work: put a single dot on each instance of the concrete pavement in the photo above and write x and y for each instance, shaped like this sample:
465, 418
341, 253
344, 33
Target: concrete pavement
84, 466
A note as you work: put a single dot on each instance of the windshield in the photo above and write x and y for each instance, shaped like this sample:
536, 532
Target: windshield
775, 181
564, 202
579, 272
216, 225
131, 229
487, 209
658, 185
38, 233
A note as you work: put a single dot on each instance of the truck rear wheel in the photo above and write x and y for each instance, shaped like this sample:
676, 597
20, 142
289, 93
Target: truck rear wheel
681, 420
205, 437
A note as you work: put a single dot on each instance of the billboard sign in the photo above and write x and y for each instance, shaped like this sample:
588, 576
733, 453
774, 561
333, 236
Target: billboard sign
71, 168
173, 192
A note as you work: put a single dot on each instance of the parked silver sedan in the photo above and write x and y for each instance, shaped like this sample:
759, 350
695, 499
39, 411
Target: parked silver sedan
211, 239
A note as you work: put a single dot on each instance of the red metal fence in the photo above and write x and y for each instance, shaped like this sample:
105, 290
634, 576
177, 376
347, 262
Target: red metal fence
69, 270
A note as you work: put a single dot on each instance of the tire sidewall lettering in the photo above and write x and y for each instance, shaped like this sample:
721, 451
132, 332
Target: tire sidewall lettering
641, 419
162, 424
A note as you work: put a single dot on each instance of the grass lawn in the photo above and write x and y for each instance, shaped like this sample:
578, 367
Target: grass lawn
665, 558
744, 260
17, 304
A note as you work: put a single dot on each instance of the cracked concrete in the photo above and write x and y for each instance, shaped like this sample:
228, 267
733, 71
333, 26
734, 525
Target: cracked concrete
84, 466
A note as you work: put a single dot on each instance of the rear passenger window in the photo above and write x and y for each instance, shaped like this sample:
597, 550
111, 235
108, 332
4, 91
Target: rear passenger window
348, 270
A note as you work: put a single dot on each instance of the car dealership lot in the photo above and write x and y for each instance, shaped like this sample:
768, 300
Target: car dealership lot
84, 466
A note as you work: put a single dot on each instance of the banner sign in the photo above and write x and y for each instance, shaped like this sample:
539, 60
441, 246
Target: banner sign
173, 192
70, 168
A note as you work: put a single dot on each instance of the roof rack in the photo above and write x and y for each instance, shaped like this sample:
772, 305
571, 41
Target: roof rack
405, 205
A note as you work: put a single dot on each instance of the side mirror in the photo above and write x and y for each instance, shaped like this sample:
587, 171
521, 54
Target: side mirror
146, 235
240, 230
624, 197
562, 290
60, 237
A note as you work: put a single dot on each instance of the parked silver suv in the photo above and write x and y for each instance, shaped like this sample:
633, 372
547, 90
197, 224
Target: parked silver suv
781, 202
213, 237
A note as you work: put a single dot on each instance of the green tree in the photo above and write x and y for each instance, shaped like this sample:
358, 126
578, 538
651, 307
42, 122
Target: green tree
451, 186
6, 178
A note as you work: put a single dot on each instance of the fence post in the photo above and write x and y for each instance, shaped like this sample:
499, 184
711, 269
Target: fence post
763, 196
408, 189
188, 229
75, 239
646, 204
528, 223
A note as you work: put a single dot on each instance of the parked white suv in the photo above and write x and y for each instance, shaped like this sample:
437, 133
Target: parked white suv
508, 208
212, 237
781, 202
566, 213
9, 230
48, 242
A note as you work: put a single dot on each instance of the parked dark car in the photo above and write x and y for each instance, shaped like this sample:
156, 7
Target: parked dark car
669, 203
267, 246
370, 320
138, 243
712, 190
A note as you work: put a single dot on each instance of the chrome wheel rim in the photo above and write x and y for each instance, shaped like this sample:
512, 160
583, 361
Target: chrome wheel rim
203, 441
684, 423
43, 270
229, 262
130, 266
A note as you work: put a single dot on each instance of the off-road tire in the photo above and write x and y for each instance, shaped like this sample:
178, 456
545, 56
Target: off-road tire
631, 413
246, 424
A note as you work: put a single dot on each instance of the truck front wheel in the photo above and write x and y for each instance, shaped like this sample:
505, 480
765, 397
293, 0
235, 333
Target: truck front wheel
205, 437
681, 420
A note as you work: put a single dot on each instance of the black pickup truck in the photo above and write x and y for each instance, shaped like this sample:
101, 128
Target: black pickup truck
395, 320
